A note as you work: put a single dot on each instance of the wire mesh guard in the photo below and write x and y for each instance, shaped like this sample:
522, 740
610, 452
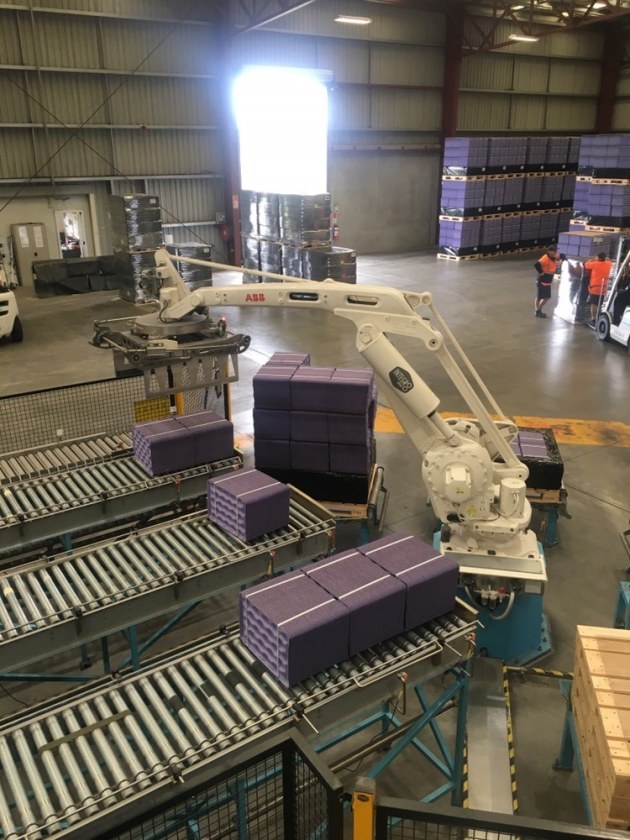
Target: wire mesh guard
274, 797
108, 406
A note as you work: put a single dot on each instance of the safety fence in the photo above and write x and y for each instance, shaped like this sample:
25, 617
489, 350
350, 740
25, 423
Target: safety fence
106, 406
285, 791
399, 819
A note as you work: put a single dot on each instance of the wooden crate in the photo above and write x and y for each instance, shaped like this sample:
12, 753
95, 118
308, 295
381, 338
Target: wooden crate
601, 708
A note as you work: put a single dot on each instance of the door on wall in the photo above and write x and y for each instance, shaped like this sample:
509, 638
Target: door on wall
30, 243
71, 233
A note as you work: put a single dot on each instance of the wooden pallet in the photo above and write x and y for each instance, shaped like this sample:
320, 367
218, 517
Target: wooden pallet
455, 258
464, 177
619, 182
601, 708
607, 229
584, 178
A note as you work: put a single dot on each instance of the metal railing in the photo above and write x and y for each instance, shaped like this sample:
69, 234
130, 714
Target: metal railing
400, 819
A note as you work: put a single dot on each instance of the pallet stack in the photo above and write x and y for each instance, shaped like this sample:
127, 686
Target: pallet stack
602, 197
194, 276
600, 700
505, 194
136, 227
291, 234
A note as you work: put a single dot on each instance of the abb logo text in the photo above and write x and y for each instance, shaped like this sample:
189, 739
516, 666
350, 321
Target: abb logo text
249, 298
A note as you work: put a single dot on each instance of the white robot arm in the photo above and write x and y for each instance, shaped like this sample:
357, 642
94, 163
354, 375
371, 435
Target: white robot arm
474, 481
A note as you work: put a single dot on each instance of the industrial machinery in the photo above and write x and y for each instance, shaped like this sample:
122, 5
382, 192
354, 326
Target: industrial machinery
613, 319
475, 482
10, 324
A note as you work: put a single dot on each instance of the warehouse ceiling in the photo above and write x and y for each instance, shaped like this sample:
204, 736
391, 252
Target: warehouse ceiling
529, 19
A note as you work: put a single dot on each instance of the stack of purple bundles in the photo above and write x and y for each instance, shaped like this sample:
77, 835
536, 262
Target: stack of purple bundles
430, 578
463, 198
294, 627
532, 191
304, 622
314, 419
460, 235
514, 187
568, 190
465, 155
248, 504
179, 443
530, 227
584, 244
557, 152
552, 189
492, 232
495, 193
536, 155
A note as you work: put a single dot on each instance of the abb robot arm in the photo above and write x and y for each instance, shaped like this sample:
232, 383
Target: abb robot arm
475, 482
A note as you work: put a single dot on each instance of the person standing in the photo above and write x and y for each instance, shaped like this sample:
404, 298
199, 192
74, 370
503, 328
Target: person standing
600, 271
546, 267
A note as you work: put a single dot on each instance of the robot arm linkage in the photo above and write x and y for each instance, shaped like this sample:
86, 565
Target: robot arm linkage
474, 480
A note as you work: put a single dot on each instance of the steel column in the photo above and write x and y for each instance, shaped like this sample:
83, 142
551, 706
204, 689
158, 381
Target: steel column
610, 71
453, 51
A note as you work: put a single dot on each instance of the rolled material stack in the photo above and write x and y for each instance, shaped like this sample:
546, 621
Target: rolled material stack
136, 227
194, 276
334, 262
305, 219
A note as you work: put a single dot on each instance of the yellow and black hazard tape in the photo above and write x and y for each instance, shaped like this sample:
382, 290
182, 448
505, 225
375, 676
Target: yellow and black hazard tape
465, 775
510, 737
540, 672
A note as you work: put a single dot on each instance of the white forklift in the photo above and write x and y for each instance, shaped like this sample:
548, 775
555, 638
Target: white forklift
10, 324
613, 319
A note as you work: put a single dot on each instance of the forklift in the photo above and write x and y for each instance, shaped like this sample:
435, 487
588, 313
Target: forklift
613, 318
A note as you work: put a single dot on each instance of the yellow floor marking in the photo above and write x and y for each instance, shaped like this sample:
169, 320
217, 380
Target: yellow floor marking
585, 432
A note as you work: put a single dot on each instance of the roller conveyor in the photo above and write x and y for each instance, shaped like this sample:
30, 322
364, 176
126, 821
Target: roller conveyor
49, 491
105, 754
51, 606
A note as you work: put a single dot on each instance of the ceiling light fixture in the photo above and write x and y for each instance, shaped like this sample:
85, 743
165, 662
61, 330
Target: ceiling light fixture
527, 38
600, 5
517, 8
358, 21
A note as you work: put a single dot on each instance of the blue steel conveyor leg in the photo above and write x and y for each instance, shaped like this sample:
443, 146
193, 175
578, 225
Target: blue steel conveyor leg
622, 613
570, 751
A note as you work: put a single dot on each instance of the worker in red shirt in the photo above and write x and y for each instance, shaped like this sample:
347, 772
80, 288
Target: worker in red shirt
546, 267
600, 271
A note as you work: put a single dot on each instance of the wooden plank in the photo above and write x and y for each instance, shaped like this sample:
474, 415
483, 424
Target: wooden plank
587, 631
618, 685
616, 723
607, 664
621, 646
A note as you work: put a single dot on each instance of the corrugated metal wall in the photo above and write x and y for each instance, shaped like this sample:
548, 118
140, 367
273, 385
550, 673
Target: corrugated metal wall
621, 115
159, 126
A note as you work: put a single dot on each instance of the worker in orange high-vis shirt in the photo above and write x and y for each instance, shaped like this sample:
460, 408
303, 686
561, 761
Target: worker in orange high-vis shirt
546, 267
600, 271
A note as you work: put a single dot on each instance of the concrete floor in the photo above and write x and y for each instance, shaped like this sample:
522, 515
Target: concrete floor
539, 368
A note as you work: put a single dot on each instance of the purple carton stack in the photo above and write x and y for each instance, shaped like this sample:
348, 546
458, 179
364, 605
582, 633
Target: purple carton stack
182, 442
495, 193
513, 197
584, 244
465, 155
557, 153
374, 598
491, 233
460, 237
530, 228
430, 578
552, 190
294, 627
314, 419
580, 199
536, 154
304, 622
568, 190
532, 191
248, 504
511, 229
463, 198
609, 204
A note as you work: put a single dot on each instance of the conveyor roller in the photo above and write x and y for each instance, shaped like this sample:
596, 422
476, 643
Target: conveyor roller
92, 758
51, 606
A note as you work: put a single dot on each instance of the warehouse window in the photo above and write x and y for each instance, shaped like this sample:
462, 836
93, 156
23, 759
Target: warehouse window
282, 118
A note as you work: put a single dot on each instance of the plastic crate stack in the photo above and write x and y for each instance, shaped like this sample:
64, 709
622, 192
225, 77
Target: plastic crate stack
136, 227
290, 234
194, 276
602, 203
505, 194
313, 423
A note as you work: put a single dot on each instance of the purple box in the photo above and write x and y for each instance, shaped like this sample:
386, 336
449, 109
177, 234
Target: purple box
374, 598
351, 459
272, 454
291, 359
272, 387
272, 425
309, 425
350, 391
163, 446
310, 387
312, 457
212, 436
351, 428
248, 503
294, 627
430, 578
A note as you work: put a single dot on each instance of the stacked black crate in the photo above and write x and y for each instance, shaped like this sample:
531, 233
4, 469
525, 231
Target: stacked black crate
136, 226
250, 244
336, 263
194, 276
269, 232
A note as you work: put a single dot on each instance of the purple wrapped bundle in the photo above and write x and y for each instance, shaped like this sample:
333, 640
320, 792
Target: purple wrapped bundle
310, 388
272, 387
309, 425
352, 459
351, 428
248, 503
430, 578
272, 425
374, 598
163, 446
272, 454
294, 627
291, 359
350, 391
212, 436
312, 457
